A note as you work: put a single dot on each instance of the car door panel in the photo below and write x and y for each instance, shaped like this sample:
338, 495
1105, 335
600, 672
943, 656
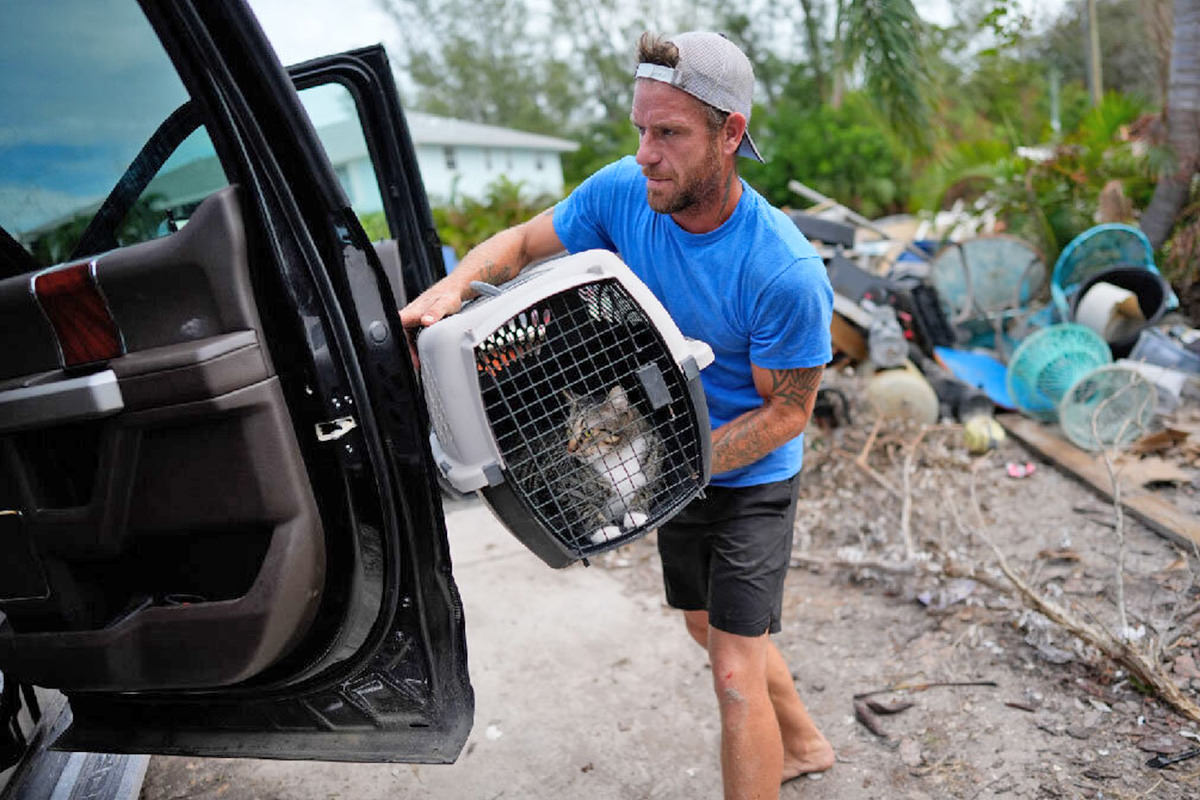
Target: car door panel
244, 555
195, 468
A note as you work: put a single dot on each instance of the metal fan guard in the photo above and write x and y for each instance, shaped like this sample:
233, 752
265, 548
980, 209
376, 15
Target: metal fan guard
1111, 406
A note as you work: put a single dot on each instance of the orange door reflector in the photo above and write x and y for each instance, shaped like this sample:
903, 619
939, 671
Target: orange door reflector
72, 302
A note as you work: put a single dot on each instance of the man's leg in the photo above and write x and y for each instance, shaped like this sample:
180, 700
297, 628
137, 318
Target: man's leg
804, 748
751, 747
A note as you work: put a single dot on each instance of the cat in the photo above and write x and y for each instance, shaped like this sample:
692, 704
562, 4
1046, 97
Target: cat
616, 442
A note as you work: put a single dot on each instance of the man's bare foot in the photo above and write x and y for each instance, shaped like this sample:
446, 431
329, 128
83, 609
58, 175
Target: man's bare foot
816, 757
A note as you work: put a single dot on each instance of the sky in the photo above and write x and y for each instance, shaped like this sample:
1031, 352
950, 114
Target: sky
302, 29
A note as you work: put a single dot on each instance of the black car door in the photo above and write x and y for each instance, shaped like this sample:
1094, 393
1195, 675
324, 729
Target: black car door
221, 531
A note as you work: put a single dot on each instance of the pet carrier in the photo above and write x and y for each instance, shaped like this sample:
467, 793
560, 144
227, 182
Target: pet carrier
568, 398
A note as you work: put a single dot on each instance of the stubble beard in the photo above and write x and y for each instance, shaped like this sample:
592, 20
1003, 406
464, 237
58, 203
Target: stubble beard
703, 185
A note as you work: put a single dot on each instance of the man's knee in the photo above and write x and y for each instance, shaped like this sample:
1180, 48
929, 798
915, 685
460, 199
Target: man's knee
739, 666
697, 626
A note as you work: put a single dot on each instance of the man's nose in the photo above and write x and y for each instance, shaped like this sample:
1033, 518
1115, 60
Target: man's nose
647, 153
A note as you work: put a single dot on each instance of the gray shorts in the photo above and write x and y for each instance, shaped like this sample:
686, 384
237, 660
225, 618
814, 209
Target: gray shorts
729, 552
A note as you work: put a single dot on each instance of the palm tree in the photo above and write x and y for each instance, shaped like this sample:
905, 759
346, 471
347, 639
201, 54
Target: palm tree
1182, 112
886, 39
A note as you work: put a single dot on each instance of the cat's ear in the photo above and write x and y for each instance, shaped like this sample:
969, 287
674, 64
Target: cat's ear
618, 398
571, 399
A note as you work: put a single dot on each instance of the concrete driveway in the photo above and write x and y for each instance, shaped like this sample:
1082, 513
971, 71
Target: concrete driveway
584, 689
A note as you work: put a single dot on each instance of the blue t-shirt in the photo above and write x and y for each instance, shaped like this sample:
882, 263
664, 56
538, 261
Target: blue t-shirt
754, 289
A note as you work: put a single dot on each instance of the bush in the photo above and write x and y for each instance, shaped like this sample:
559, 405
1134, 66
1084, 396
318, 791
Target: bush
467, 222
846, 153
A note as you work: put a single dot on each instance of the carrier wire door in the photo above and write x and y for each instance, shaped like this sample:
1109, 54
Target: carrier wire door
569, 399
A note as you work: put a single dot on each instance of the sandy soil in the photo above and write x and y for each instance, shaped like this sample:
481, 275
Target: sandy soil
1059, 722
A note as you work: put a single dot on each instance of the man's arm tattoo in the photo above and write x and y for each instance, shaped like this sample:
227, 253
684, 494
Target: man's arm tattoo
796, 387
751, 436
493, 273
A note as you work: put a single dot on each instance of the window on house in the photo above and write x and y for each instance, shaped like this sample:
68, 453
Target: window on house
343, 175
487, 158
451, 160
508, 159
537, 161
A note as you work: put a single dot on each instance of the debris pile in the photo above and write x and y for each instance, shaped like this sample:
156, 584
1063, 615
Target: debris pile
954, 326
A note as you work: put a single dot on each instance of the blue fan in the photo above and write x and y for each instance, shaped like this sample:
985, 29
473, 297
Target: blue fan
1046, 364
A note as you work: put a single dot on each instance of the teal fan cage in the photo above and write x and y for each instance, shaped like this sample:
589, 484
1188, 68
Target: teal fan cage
1048, 362
1110, 406
986, 275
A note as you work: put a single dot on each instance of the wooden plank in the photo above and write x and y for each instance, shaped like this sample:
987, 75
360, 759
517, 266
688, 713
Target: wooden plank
1156, 512
847, 338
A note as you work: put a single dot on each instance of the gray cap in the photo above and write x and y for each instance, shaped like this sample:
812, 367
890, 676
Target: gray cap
713, 70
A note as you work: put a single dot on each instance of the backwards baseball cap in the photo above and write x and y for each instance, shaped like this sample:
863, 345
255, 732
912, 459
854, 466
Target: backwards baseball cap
713, 70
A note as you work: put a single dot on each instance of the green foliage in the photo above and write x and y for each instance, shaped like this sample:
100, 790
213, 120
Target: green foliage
1007, 23
601, 143
845, 153
376, 226
1129, 60
467, 222
888, 39
1049, 202
932, 115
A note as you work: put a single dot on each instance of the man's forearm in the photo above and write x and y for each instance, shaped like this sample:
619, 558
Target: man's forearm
745, 439
788, 399
493, 261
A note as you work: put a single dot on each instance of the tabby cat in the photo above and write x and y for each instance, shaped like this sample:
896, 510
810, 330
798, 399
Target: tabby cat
612, 438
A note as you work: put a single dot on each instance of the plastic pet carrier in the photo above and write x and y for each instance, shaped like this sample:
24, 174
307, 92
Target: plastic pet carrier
568, 398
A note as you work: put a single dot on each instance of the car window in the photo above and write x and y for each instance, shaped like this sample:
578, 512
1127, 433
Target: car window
334, 114
73, 120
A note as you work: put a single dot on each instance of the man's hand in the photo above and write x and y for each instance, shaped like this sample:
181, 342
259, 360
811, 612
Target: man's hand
440, 300
495, 261
788, 398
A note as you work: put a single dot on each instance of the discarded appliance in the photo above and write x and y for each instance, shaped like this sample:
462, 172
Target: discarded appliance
1110, 406
569, 399
1097, 250
1048, 362
1119, 303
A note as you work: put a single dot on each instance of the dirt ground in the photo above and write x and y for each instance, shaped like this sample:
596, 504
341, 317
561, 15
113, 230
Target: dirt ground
1059, 721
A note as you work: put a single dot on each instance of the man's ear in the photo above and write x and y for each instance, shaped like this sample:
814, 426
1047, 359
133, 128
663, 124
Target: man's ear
732, 132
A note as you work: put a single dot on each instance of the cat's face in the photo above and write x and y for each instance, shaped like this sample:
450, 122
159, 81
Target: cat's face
597, 428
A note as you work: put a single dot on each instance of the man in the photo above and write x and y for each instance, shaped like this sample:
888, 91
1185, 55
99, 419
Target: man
734, 272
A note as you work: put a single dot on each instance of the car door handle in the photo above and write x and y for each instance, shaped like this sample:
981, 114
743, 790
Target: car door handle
59, 402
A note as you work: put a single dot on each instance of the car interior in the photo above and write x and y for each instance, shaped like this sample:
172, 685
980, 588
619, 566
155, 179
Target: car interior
219, 529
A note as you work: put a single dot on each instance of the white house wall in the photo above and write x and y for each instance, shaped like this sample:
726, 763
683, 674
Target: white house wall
539, 172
